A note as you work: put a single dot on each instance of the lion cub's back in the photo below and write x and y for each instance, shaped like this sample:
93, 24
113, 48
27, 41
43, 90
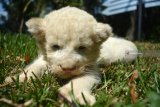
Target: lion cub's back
114, 49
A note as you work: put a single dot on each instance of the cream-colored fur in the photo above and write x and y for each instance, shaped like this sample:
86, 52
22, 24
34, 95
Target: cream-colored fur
117, 49
69, 40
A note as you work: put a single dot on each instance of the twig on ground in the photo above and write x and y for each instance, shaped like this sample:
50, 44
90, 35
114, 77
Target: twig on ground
3, 85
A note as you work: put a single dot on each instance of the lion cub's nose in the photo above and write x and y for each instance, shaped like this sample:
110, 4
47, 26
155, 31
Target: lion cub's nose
68, 69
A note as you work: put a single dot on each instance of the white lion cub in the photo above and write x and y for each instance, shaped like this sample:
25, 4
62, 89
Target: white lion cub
69, 40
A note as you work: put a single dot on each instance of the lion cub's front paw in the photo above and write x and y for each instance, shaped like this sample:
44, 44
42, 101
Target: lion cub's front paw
8, 79
65, 93
90, 99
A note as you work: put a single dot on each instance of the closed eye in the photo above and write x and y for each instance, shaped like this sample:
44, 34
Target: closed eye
81, 49
56, 47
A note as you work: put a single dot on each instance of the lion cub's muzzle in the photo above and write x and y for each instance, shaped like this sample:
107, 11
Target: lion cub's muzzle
68, 69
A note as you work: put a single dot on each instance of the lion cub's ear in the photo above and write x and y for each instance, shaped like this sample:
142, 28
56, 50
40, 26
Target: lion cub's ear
36, 25
102, 32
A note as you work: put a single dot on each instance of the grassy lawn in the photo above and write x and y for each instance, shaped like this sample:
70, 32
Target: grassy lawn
120, 87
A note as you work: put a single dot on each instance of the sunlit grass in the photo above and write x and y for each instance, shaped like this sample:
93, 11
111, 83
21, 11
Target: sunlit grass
17, 50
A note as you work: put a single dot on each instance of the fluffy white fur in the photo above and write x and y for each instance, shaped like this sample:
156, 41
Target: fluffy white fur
69, 40
117, 49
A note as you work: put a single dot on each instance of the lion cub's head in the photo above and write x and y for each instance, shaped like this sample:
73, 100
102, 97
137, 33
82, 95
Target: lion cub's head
69, 39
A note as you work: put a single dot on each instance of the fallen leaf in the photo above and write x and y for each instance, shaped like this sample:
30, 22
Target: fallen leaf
132, 86
27, 58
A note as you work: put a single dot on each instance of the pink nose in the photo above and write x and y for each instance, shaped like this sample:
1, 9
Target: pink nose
68, 70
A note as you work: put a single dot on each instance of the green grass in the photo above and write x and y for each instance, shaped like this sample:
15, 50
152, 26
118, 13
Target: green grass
17, 50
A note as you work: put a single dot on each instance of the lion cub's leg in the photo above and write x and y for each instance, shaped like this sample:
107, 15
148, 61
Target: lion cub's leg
81, 85
37, 67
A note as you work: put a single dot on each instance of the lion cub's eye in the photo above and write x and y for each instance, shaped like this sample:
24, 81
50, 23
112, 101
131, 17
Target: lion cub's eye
81, 48
56, 47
